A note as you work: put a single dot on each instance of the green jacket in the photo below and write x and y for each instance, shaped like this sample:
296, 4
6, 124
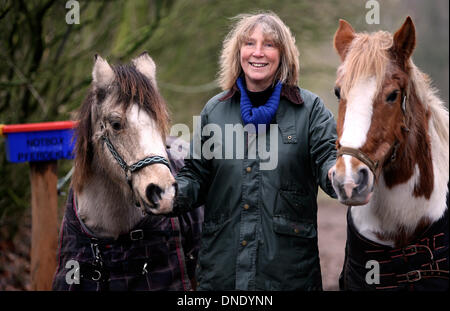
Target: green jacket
260, 226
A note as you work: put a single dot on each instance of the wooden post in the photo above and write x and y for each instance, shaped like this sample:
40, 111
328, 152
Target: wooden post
44, 227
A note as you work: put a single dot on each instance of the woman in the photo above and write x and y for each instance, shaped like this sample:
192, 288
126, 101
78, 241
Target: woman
260, 225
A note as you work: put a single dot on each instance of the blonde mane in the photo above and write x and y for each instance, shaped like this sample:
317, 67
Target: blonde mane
368, 55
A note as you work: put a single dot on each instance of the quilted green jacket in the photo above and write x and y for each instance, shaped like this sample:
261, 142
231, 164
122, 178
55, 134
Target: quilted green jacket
260, 224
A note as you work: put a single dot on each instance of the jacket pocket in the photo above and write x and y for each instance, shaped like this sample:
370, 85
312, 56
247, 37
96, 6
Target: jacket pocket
295, 206
301, 229
295, 260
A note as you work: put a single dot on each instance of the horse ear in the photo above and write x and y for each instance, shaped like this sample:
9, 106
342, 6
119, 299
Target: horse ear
343, 37
102, 73
145, 65
405, 40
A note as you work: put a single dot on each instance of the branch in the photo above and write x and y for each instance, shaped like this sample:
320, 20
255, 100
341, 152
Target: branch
81, 84
27, 14
45, 7
10, 74
77, 27
30, 87
12, 83
69, 29
147, 34
3, 13
63, 43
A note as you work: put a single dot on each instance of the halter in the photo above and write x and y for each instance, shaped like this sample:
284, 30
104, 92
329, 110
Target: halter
363, 157
129, 169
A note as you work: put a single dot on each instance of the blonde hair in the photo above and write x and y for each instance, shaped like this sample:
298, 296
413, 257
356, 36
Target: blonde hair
272, 27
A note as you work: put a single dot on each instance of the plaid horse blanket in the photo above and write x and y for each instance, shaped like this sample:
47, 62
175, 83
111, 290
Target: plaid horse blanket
421, 265
160, 253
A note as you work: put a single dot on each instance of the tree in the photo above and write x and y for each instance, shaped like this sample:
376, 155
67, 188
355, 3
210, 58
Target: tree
45, 66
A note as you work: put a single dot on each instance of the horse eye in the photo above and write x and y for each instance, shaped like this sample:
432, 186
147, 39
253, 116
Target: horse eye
116, 125
392, 97
337, 92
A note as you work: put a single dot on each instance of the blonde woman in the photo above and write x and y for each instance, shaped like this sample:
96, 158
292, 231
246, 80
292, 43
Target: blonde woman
260, 223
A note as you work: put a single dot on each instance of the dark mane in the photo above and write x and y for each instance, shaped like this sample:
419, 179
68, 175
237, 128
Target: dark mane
83, 147
131, 87
134, 87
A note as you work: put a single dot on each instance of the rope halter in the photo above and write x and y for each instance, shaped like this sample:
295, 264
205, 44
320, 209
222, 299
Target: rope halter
129, 169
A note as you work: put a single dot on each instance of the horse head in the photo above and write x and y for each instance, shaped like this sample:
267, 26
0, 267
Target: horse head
372, 86
121, 134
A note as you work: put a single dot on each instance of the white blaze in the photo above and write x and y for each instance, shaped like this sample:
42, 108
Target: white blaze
150, 139
348, 167
358, 114
151, 143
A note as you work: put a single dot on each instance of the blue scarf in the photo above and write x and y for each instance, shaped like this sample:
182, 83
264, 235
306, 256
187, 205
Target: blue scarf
262, 114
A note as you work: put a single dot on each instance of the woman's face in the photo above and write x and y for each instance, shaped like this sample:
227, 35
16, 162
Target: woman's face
259, 60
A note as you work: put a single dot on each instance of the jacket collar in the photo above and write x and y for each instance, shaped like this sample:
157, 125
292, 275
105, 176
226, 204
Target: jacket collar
289, 92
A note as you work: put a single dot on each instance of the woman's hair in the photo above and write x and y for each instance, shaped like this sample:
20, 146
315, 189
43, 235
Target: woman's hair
274, 29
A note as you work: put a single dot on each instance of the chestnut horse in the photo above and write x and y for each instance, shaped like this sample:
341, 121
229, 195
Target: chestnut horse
392, 161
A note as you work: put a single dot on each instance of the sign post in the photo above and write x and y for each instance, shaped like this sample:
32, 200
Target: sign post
41, 144
44, 223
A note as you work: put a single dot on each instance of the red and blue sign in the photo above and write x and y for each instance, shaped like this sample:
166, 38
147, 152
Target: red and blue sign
37, 142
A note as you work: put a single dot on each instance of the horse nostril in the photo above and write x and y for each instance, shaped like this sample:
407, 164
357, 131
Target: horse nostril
153, 193
363, 176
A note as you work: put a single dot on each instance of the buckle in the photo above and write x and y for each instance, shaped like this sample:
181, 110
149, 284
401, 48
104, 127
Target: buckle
137, 235
409, 250
144, 269
97, 275
413, 276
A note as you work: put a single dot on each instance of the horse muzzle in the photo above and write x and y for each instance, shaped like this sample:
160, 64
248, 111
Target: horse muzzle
160, 200
353, 186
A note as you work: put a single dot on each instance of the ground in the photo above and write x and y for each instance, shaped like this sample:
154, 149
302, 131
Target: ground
332, 235
15, 258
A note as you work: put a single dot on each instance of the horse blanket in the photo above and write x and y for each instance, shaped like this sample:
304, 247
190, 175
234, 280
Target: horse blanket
160, 253
421, 265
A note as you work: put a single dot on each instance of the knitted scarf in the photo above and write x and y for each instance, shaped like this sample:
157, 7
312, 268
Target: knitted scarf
262, 114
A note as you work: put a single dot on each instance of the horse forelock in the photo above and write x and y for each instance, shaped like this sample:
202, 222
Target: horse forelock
368, 56
134, 87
